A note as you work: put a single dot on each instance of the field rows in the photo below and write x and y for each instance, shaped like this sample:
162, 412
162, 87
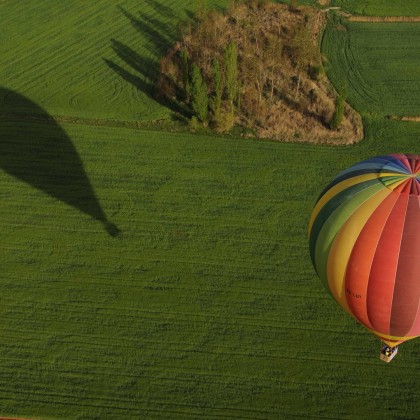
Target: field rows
206, 305
377, 64
62, 66
203, 306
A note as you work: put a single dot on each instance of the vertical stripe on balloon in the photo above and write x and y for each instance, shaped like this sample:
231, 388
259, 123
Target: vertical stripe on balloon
384, 268
407, 280
358, 275
335, 222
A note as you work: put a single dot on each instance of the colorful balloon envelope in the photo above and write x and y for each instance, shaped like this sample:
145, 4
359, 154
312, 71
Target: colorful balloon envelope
364, 237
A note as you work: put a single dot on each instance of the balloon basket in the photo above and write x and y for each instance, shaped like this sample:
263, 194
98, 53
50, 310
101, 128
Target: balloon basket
388, 353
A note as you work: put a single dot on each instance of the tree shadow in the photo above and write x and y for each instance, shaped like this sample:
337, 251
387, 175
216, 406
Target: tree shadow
36, 150
158, 34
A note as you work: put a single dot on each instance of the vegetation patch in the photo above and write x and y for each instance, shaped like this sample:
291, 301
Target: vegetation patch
258, 65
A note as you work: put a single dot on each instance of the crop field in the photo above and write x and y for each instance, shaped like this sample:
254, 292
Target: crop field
147, 274
205, 304
377, 63
380, 7
98, 61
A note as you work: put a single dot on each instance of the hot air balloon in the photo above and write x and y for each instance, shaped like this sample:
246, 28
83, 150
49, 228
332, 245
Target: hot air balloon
364, 237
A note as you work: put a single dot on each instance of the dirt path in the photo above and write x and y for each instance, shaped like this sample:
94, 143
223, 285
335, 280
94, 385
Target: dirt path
356, 18
415, 119
13, 418
384, 18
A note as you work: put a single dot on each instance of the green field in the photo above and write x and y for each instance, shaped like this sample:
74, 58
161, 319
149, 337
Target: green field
380, 7
377, 63
58, 56
206, 305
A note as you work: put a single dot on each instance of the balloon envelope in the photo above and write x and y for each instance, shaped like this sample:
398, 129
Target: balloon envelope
364, 237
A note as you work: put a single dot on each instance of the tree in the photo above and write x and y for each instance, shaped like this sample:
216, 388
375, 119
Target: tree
218, 88
239, 95
293, 5
338, 115
200, 100
185, 69
231, 64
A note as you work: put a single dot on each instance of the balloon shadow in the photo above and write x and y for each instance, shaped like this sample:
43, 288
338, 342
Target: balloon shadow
36, 150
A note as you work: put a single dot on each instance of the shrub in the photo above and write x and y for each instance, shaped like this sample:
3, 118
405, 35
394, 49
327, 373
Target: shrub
193, 124
315, 72
338, 115
218, 88
200, 100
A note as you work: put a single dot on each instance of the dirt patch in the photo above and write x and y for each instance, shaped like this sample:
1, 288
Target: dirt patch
341, 28
324, 2
389, 19
415, 119
13, 418
284, 93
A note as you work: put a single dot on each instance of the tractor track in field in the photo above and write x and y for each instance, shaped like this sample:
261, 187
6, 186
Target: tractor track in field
133, 124
413, 118
366, 18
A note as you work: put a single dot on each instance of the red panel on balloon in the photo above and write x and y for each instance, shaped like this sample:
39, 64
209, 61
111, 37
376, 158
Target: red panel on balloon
407, 283
384, 268
361, 259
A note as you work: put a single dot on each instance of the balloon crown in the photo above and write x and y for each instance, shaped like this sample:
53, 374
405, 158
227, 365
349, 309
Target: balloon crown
398, 172
402, 174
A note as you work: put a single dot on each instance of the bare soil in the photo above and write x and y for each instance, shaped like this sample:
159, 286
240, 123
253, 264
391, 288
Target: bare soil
415, 119
390, 19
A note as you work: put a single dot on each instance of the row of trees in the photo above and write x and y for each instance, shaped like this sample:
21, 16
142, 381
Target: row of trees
213, 102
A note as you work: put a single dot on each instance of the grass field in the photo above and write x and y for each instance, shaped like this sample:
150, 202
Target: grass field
378, 64
97, 61
206, 305
380, 7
